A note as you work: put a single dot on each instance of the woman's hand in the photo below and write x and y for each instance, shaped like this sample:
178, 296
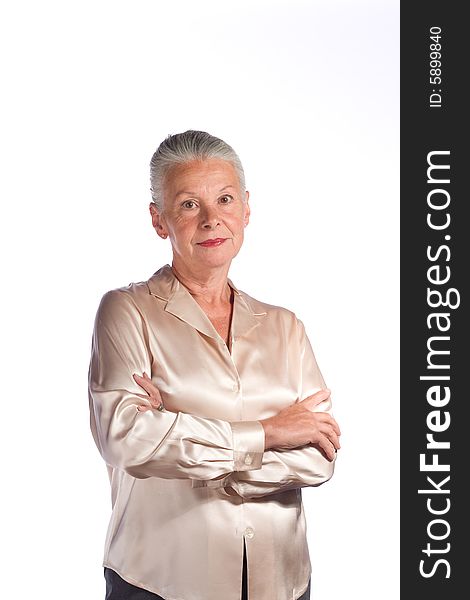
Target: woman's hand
298, 425
152, 395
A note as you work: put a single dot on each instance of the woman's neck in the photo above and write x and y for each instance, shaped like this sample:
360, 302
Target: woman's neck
212, 290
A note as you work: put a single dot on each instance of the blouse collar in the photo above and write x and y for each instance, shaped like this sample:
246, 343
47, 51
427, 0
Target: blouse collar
179, 302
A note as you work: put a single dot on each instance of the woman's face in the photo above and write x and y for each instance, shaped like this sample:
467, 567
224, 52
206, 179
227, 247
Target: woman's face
202, 201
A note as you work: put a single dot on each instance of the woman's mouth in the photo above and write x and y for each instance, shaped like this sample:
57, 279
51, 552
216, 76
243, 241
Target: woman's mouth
213, 242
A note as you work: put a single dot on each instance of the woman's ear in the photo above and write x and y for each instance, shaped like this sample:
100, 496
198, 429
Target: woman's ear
157, 221
247, 208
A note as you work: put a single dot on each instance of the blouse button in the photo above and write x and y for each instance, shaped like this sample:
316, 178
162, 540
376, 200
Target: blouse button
248, 460
249, 533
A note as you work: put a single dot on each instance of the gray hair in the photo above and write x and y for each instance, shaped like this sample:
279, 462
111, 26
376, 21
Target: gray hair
185, 147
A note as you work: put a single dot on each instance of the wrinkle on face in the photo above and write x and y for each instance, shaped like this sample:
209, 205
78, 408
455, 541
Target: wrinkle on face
202, 200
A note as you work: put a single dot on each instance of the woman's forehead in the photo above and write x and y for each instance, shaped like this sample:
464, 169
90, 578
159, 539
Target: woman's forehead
196, 176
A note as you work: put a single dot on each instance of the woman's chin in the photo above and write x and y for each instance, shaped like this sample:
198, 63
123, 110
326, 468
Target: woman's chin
215, 257
214, 262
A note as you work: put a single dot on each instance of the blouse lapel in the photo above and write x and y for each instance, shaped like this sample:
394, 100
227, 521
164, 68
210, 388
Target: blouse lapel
182, 305
244, 319
179, 302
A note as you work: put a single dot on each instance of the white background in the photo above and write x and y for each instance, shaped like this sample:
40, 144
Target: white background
307, 94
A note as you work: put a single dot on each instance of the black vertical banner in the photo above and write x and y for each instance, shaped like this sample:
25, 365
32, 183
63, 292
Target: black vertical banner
435, 268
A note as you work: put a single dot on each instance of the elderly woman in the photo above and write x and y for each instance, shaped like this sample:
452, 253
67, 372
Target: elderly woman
207, 405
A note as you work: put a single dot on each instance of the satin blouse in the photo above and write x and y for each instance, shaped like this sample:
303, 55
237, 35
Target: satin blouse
191, 481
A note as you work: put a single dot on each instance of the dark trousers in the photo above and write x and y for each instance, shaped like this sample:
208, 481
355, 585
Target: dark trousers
118, 589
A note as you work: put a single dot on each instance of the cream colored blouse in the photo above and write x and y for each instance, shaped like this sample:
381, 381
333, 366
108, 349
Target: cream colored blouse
190, 482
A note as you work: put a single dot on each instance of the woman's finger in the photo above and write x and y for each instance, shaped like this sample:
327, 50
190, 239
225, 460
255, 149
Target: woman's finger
156, 404
334, 439
147, 384
327, 447
140, 380
317, 398
327, 418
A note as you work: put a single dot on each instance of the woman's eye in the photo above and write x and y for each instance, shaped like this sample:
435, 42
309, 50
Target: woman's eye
188, 204
226, 199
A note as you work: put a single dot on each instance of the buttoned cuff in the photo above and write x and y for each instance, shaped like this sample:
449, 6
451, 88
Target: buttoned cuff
248, 445
248, 449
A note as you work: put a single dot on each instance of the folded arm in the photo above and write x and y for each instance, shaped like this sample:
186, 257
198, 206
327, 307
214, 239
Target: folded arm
281, 469
154, 443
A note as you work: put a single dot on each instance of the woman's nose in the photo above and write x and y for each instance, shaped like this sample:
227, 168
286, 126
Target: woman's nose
209, 218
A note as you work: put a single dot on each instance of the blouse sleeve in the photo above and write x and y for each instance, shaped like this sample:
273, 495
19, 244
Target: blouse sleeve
283, 470
153, 442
